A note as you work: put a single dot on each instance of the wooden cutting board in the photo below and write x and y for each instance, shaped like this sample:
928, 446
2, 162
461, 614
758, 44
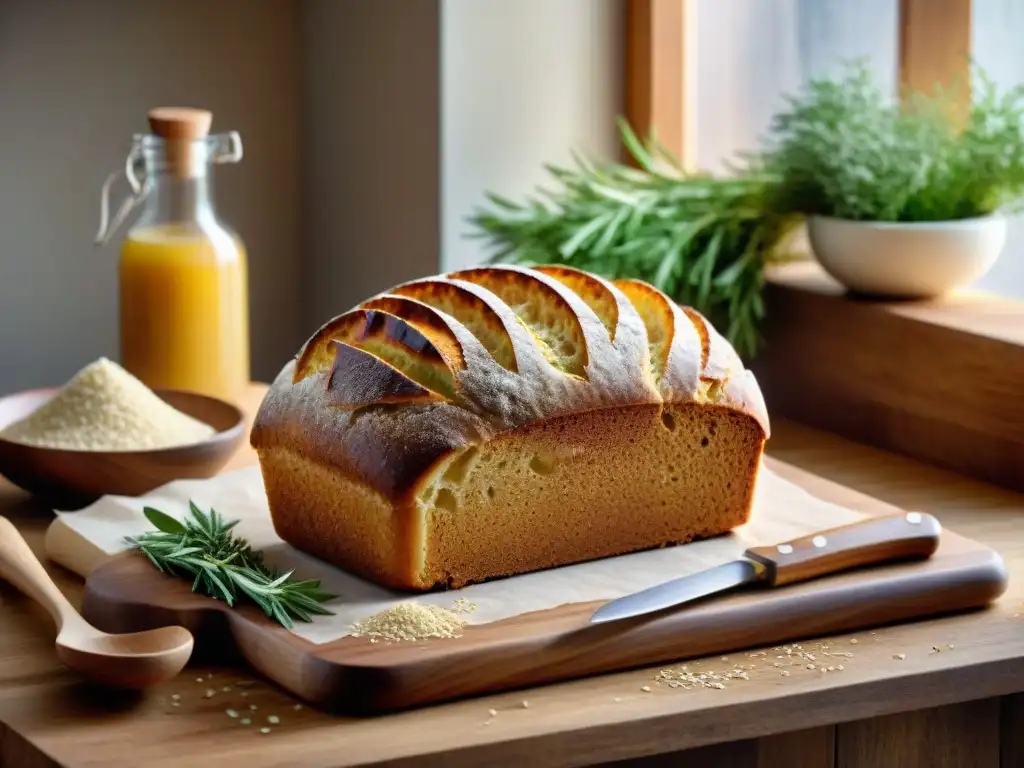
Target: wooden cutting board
356, 676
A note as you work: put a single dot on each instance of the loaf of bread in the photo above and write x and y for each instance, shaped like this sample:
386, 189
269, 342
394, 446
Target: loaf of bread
502, 420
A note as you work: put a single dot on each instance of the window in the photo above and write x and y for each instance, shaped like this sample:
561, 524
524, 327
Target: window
740, 57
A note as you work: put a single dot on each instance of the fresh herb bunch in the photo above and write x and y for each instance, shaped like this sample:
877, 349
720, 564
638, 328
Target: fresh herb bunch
703, 240
225, 567
842, 148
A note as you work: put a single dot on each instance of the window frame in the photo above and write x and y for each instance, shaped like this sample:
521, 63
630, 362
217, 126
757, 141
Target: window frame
934, 46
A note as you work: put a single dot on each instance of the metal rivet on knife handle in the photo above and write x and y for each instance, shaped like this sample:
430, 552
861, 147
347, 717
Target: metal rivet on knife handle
867, 542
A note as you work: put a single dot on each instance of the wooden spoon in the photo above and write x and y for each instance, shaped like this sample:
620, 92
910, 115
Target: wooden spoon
132, 660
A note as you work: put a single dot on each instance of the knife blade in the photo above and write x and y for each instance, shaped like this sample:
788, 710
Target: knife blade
874, 540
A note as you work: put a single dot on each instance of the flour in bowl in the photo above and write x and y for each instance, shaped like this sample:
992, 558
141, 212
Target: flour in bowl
105, 408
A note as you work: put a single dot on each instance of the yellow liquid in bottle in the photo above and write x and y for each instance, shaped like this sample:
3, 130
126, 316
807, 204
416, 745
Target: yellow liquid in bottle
185, 310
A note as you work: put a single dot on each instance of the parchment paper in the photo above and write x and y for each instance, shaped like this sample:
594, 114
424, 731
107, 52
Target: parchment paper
782, 511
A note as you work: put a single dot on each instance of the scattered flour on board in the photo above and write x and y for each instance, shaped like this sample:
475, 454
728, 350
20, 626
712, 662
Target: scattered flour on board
105, 408
409, 621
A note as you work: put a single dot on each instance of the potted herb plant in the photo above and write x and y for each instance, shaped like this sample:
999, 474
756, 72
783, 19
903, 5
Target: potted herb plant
902, 200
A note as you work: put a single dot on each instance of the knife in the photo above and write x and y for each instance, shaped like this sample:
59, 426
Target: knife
886, 538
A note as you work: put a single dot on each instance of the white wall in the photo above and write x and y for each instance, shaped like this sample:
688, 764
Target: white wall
370, 138
522, 83
76, 80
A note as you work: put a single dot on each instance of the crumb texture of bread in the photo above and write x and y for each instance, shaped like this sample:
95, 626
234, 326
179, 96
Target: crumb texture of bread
502, 420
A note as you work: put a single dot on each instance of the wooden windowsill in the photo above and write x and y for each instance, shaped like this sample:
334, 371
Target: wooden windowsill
941, 381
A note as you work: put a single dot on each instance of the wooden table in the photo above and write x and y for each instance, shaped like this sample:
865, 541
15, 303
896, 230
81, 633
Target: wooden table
938, 693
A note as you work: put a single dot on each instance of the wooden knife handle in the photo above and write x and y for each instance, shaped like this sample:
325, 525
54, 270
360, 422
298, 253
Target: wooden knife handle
905, 536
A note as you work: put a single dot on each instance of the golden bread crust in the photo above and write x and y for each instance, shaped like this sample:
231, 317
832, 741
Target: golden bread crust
398, 393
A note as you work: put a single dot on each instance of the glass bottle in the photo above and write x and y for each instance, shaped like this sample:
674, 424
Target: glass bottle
184, 308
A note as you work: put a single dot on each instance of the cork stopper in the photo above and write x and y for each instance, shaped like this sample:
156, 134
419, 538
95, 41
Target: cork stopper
179, 127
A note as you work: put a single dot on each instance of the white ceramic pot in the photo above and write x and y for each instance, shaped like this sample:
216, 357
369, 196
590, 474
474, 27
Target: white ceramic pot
906, 260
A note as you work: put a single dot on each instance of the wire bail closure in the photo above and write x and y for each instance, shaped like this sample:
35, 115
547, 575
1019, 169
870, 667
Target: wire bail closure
224, 148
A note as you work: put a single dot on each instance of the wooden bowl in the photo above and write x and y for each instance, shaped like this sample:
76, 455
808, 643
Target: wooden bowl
69, 479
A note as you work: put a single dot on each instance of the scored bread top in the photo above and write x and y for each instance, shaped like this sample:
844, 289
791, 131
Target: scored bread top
388, 388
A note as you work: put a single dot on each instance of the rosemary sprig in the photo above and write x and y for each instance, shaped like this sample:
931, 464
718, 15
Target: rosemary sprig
225, 567
702, 239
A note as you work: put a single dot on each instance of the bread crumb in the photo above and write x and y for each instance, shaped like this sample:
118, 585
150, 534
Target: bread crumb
105, 408
646, 689
492, 712
900, 656
209, 693
246, 721
684, 678
462, 605
264, 730
409, 621
853, 641
273, 719
785, 673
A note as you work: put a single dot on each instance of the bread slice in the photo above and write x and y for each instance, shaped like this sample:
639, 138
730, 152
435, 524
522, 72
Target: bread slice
501, 420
